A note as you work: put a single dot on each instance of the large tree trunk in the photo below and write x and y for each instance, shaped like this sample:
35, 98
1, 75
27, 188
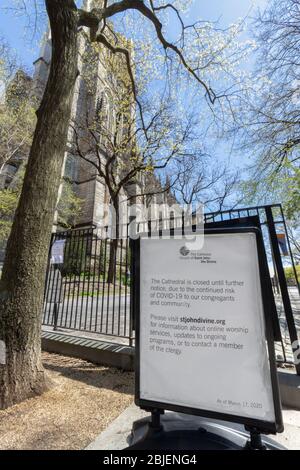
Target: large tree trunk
23, 277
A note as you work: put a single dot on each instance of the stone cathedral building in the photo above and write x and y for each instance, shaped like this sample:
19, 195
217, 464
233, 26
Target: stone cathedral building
87, 184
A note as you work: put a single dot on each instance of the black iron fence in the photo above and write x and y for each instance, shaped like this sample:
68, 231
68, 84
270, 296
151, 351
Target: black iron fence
90, 290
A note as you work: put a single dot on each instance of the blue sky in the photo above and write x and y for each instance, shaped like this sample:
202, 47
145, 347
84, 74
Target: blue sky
15, 29
16, 32
228, 10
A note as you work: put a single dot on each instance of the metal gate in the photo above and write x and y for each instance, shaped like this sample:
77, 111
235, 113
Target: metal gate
79, 295
83, 293
287, 297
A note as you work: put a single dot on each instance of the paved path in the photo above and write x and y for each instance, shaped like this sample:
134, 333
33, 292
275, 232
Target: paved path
110, 315
107, 315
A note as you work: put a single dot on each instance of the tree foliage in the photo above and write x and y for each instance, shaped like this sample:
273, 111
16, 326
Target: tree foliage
69, 207
8, 204
268, 117
154, 84
17, 113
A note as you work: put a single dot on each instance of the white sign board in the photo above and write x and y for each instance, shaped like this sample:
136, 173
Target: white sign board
57, 252
202, 329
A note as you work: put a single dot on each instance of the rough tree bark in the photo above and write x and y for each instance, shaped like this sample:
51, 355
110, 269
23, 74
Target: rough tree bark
22, 285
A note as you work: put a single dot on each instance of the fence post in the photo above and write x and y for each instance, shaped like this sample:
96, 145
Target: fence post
283, 285
132, 280
290, 250
55, 316
48, 267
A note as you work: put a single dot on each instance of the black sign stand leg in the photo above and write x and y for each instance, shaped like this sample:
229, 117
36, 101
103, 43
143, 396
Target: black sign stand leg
255, 442
155, 424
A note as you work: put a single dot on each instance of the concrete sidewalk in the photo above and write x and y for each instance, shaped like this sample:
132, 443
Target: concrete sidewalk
116, 434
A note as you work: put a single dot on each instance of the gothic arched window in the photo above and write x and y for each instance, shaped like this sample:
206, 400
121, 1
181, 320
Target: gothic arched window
110, 114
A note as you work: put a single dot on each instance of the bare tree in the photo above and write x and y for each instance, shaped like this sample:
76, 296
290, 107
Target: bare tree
269, 110
125, 155
294, 237
201, 180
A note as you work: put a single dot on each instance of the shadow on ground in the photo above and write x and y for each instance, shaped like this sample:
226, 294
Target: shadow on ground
90, 374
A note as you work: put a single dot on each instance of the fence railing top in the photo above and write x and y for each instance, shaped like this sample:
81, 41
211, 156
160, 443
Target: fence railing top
207, 217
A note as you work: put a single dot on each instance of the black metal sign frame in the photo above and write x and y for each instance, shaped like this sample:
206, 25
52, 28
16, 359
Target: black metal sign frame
265, 427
